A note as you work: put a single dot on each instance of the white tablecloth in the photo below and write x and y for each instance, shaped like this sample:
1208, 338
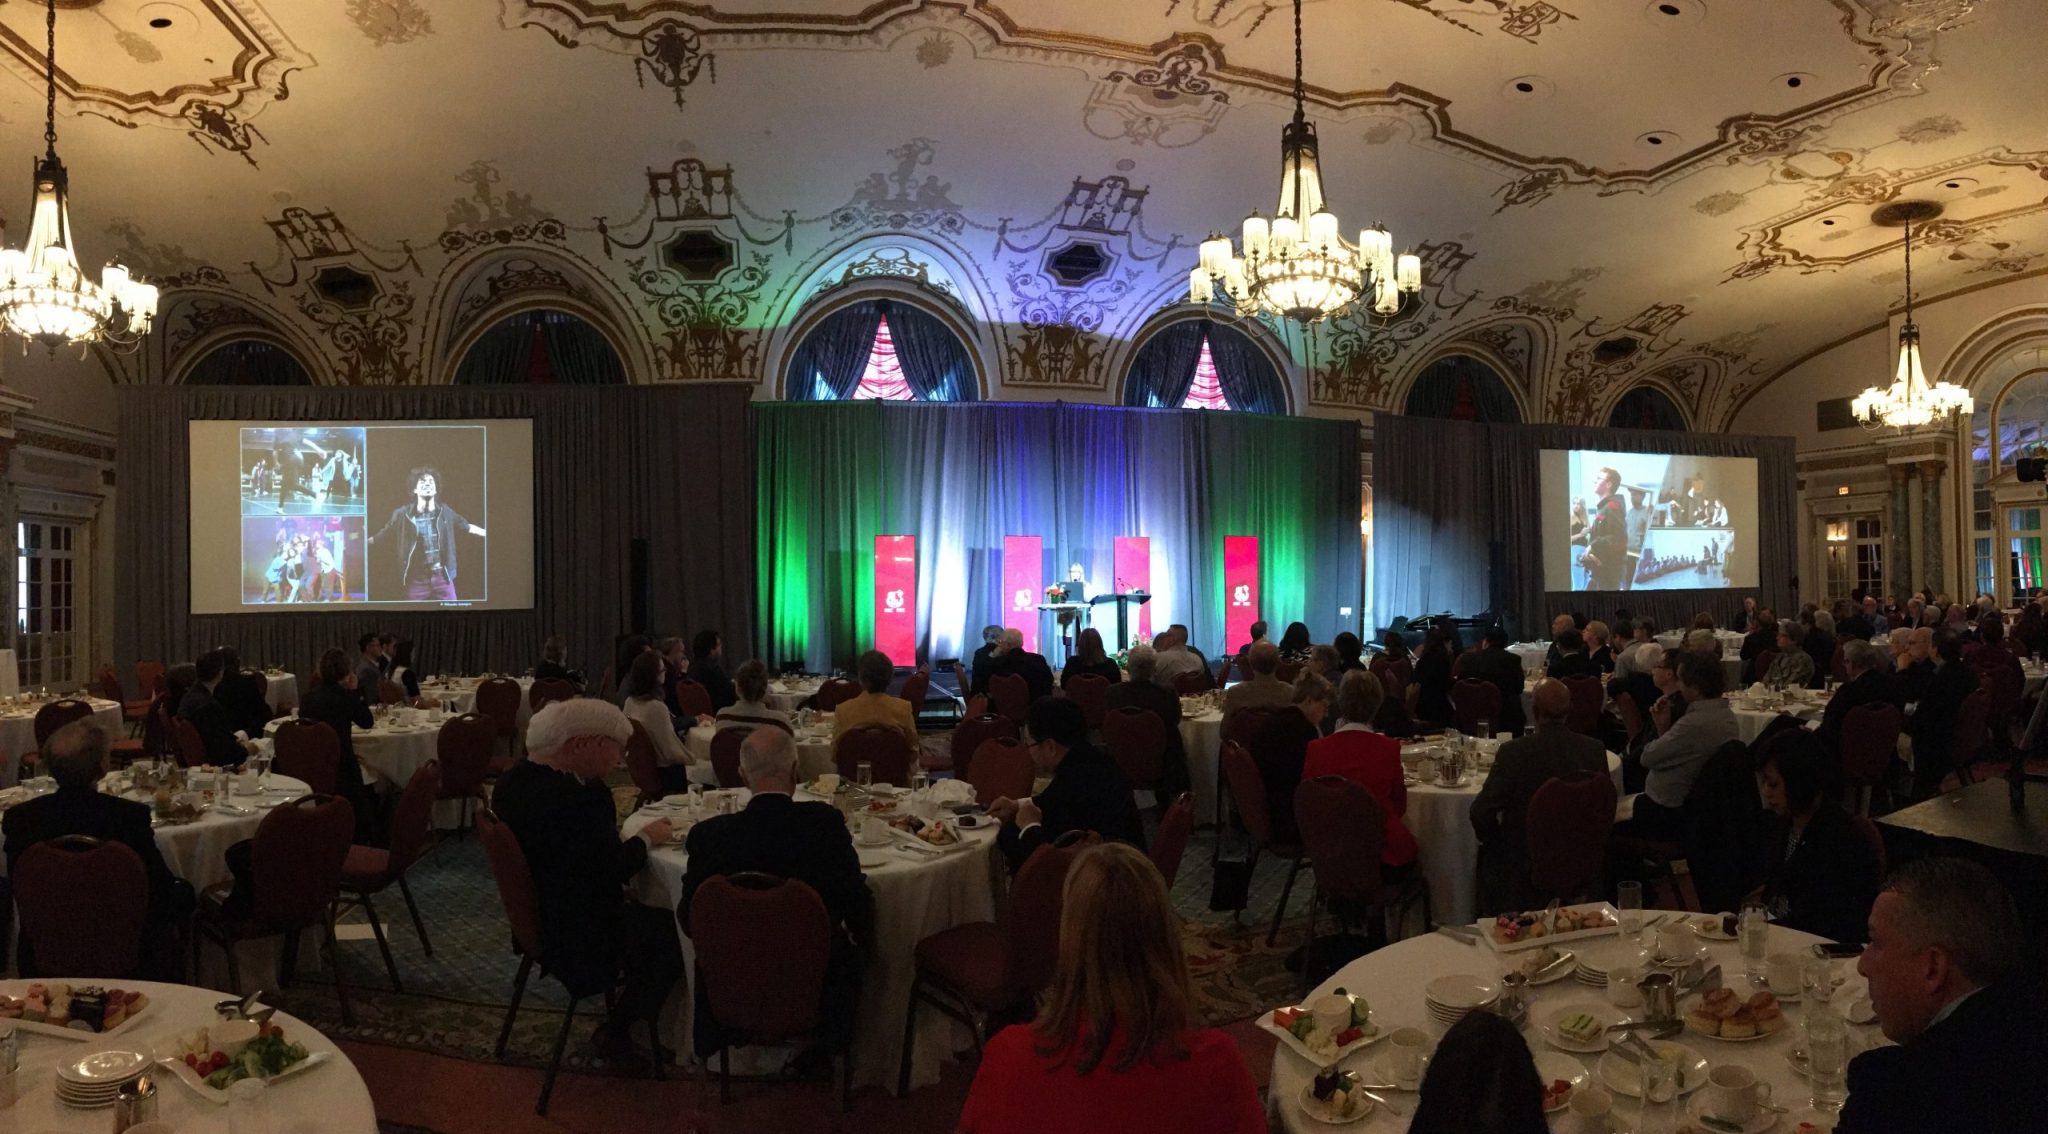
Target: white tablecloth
1671, 639
813, 752
196, 851
18, 733
458, 695
1392, 980
789, 695
1533, 654
390, 755
1201, 737
915, 897
1752, 718
327, 1099
281, 693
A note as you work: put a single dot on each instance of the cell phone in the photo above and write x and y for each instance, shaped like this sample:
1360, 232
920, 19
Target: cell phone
1836, 951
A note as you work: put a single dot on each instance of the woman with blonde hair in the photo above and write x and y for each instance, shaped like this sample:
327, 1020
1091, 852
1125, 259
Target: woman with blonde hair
1115, 1047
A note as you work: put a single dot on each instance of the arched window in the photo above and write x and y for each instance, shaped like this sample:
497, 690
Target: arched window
1646, 407
880, 350
541, 348
248, 362
1462, 388
1199, 364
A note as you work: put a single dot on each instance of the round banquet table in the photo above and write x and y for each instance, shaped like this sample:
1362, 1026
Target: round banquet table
1440, 818
327, 1099
1751, 717
813, 752
1392, 980
916, 895
391, 753
1533, 654
458, 694
790, 693
18, 732
282, 692
1201, 737
196, 851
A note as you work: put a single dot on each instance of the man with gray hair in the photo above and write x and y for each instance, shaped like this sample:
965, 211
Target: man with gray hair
1868, 684
1947, 967
1143, 691
804, 841
1263, 687
1012, 658
1175, 658
76, 757
991, 637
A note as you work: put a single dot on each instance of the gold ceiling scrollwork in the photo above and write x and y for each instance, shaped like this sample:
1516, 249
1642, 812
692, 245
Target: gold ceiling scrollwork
1363, 353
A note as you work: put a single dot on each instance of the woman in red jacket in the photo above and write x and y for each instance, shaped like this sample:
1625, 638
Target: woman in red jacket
1368, 759
1114, 1048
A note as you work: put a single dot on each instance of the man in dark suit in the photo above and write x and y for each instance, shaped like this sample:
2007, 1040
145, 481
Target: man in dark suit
369, 668
76, 757
1495, 665
1011, 657
243, 693
1558, 625
1948, 980
224, 745
553, 665
1571, 658
1143, 692
807, 842
1940, 699
991, 637
1088, 791
333, 702
1868, 684
1500, 811
707, 668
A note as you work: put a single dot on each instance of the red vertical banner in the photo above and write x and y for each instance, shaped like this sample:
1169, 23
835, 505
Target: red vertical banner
1023, 585
1240, 589
896, 598
1134, 573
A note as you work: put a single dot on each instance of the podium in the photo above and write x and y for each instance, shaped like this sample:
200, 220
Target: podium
1123, 602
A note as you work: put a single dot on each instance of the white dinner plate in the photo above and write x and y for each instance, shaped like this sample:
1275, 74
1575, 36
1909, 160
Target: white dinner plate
1607, 1016
1460, 992
1709, 928
1315, 1110
873, 860
111, 1066
1552, 1066
1759, 1122
1623, 1077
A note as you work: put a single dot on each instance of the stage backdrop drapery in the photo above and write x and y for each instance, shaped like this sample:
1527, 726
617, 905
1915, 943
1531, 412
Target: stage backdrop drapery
667, 464
831, 477
1444, 491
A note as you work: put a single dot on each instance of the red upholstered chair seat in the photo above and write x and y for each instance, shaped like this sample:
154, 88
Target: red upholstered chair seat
365, 866
970, 960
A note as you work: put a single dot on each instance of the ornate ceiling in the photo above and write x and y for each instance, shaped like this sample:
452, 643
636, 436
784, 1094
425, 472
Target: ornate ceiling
1608, 192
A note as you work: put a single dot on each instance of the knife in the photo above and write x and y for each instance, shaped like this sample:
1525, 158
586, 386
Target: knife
1385, 1102
1463, 933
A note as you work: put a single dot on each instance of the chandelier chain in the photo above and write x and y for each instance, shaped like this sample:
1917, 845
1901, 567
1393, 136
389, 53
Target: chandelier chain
50, 74
1909, 271
1300, 90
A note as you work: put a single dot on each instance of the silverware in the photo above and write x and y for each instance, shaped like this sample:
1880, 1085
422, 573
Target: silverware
1459, 933
1713, 1123
1385, 1102
1563, 958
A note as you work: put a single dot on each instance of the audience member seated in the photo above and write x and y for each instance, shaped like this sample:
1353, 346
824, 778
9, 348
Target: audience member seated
1948, 980
554, 663
807, 842
1823, 872
1682, 747
1350, 652
675, 665
1933, 723
245, 695
1644, 633
1746, 618
1280, 746
369, 667
1143, 691
1500, 812
402, 669
226, 746
874, 705
991, 637
752, 710
1367, 759
707, 668
1089, 657
1558, 626
1175, 658
1879, 624
645, 705
1868, 684
1819, 644
1294, 643
1011, 657
1991, 649
1492, 663
1762, 636
1258, 632
1572, 660
1115, 1047
1088, 791
625, 648
333, 702
1600, 647
1429, 695
76, 757
1261, 688
1850, 624
1793, 667
1481, 1080
556, 803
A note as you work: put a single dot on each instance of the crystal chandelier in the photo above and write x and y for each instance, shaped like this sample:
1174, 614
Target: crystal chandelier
1298, 266
44, 295
1910, 402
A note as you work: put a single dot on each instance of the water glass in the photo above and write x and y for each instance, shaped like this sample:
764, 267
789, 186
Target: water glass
919, 778
864, 774
1628, 903
249, 1107
1483, 728
1827, 1060
1660, 1097
1753, 939
1816, 984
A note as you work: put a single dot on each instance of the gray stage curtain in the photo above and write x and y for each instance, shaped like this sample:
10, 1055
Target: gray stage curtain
1164, 369
1444, 491
668, 465
1244, 371
934, 363
577, 353
1461, 387
580, 354
836, 350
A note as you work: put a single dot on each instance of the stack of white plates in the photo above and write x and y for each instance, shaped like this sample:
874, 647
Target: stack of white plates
1450, 998
1590, 977
94, 1080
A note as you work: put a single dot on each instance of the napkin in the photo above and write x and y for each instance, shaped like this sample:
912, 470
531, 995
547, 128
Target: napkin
1756, 689
950, 791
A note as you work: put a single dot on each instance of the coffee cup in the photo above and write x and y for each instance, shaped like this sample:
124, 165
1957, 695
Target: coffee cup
1590, 1107
1781, 972
1735, 1093
1332, 1013
1621, 986
1406, 1050
1675, 941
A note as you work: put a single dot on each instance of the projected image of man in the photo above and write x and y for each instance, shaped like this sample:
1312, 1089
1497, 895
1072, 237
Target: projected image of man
1605, 536
422, 538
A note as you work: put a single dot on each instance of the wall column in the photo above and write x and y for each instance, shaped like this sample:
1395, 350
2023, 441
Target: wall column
1897, 539
1930, 526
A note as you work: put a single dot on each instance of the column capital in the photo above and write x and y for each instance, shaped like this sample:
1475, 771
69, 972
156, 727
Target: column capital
1932, 470
1899, 474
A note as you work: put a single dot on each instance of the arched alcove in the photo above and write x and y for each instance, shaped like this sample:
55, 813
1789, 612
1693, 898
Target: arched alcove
1462, 388
880, 348
1646, 407
1203, 364
248, 362
542, 346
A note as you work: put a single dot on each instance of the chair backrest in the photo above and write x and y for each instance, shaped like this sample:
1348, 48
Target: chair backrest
412, 820
1288, 671
692, 699
1344, 832
1567, 825
307, 750
762, 945
464, 748
1011, 695
607, 686
82, 904
106, 684
149, 678
967, 738
880, 747
1838, 665
57, 714
547, 691
1136, 739
390, 692
1587, 695
1245, 725
2005, 683
515, 883
1472, 702
1765, 659
1247, 791
1194, 682
1001, 769
296, 857
1971, 728
916, 688
725, 755
1091, 692
1870, 739
1172, 840
641, 763
498, 699
831, 694
1031, 928
1223, 671
185, 738
1395, 674
1871, 835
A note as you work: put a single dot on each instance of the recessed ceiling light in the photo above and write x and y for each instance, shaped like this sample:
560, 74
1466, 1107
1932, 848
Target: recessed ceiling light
1670, 9
1659, 138
1829, 221
160, 22
1522, 88
1672, 14
1525, 87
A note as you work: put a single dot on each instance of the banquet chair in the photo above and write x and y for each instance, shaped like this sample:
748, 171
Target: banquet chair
1838, 665
1869, 745
1136, 739
1344, 833
1010, 695
371, 870
1966, 745
915, 689
107, 685
1567, 825
1193, 683
1223, 674
2005, 684
763, 944
969, 734
882, 748
1288, 671
642, 765
981, 969
1587, 698
149, 679
390, 692
295, 862
463, 746
307, 750
1248, 790
1091, 692
498, 699
608, 686
56, 715
547, 691
82, 903
185, 740
1870, 834
834, 691
1001, 769
692, 699
1765, 659
1472, 702
1170, 844
725, 755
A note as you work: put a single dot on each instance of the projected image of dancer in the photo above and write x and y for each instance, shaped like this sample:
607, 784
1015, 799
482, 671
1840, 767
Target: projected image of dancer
1604, 534
421, 539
